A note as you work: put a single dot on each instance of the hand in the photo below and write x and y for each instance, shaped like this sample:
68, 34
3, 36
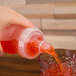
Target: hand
9, 17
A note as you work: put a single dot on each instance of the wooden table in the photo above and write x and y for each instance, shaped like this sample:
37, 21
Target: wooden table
14, 65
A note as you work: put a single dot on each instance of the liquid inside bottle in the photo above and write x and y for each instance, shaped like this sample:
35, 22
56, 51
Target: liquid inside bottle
9, 38
17, 39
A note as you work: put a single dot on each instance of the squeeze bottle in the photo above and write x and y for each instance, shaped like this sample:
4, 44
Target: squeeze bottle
27, 42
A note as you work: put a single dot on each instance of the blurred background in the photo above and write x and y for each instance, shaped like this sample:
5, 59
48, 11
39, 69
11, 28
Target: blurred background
57, 20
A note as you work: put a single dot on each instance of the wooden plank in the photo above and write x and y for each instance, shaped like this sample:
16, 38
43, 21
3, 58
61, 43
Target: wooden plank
65, 16
64, 4
37, 9
20, 64
62, 42
64, 1
10, 66
48, 1
36, 22
56, 10
59, 32
13, 2
41, 16
38, 1
3, 72
65, 10
63, 24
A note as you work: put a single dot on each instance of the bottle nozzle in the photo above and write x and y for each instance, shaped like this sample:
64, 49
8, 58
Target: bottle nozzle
45, 47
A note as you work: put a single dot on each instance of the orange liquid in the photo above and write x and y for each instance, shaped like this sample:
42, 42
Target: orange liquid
9, 40
47, 48
10, 46
58, 60
54, 70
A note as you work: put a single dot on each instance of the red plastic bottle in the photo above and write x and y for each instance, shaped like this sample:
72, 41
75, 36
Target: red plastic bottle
27, 42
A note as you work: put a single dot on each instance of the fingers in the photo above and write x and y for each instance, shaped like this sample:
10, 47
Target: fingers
21, 20
10, 16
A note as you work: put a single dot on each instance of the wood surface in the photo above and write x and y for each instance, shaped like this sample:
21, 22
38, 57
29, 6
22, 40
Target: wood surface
59, 32
63, 42
55, 24
48, 1
40, 16
58, 16
14, 65
9, 2
13, 2
38, 1
65, 4
37, 9
65, 16
47, 11
36, 22
65, 10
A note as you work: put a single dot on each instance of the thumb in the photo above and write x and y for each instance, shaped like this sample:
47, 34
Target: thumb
1, 52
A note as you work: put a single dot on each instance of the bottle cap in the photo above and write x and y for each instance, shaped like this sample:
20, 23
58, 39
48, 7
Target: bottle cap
25, 38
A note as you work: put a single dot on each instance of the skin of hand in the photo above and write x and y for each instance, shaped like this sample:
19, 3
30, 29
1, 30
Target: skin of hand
9, 17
